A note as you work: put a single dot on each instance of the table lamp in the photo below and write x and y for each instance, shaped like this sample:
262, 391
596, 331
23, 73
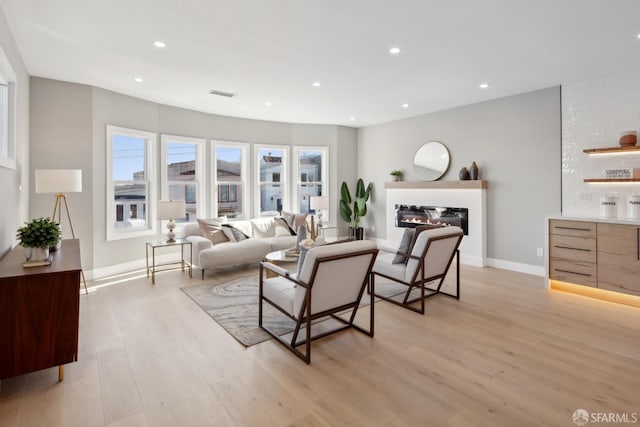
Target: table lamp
171, 209
318, 204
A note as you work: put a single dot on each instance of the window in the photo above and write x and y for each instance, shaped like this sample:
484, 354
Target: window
271, 177
7, 113
229, 179
310, 170
129, 187
182, 171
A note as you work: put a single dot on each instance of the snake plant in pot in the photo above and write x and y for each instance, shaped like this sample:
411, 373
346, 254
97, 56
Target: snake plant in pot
352, 213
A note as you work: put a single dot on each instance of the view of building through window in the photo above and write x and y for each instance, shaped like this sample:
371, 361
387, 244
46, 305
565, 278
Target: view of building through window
229, 180
181, 176
310, 177
4, 119
271, 179
128, 159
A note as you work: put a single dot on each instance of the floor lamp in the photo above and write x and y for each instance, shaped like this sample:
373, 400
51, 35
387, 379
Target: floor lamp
60, 182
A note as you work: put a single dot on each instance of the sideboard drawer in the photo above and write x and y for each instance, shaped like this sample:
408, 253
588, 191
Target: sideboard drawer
580, 273
573, 248
572, 228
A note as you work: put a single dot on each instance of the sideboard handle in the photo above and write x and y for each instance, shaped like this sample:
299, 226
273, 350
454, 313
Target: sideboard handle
573, 249
572, 272
572, 228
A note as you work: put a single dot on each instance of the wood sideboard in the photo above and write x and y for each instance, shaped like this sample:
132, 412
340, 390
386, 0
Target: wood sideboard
39, 311
596, 253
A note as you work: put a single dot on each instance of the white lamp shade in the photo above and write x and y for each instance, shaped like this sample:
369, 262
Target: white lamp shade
319, 202
58, 181
171, 209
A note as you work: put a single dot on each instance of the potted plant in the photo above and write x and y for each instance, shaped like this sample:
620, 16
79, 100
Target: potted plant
396, 174
353, 214
36, 236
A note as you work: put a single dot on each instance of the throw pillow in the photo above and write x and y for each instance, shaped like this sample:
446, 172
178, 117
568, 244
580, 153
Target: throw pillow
283, 228
298, 220
419, 229
406, 243
289, 217
294, 220
233, 233
263, 227
211, 229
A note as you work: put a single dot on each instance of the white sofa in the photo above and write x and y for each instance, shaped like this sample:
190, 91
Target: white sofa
264, 237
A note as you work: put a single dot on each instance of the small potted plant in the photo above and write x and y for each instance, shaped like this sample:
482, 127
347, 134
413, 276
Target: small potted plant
396, 174
37, 236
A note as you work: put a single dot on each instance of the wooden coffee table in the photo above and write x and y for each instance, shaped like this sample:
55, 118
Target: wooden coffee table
281, 259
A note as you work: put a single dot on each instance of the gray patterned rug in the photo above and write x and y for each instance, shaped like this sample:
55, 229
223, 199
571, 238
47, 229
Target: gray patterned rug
234, 306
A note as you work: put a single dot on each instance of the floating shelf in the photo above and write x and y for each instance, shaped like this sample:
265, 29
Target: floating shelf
454, 185
611, 150
607, 180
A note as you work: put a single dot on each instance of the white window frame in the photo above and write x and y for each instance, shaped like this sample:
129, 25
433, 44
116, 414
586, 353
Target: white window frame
324, 179
244, 176
8, 79
150, 138
199, 178
284, 180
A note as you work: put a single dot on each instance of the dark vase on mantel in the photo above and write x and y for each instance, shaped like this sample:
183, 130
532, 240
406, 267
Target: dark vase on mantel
464, 174
473, 170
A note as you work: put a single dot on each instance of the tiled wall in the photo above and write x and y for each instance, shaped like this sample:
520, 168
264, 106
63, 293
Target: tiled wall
594, 114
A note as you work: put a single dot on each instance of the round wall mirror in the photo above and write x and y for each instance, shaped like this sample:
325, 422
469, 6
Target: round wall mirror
431, 161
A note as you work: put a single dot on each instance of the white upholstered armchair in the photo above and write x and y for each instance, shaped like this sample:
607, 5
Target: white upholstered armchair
332, 280
428, 261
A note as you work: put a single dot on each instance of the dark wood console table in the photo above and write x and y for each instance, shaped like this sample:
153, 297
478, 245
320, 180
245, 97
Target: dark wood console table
39, 311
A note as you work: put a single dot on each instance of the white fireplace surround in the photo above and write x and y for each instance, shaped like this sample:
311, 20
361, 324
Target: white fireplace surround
458, 194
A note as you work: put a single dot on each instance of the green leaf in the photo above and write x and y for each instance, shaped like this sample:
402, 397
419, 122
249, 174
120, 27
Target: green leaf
345, 211
345, 194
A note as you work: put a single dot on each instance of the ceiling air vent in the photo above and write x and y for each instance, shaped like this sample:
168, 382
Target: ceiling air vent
221, 93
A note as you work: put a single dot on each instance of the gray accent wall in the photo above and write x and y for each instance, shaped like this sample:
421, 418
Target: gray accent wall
70, 122
516, 143
15, 183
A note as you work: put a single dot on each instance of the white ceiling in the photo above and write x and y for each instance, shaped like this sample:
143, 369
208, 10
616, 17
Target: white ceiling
272, 50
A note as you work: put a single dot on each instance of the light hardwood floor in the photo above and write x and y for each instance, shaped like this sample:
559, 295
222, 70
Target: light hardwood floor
507, 354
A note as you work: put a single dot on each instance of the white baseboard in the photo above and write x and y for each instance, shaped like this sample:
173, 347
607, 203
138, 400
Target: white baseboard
536, 270
127, 267
487, 262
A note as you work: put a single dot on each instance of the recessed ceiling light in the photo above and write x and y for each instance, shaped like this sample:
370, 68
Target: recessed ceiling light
394, 50
316, 84
484, 85
159, 43
268, 104
352, 118
138, 79
405, 105
639, 36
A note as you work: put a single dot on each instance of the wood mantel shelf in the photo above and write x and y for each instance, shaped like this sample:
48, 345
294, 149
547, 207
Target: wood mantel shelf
612, 150
452, 185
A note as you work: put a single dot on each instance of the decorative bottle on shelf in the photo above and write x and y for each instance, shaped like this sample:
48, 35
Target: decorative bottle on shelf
464, 174
473, 171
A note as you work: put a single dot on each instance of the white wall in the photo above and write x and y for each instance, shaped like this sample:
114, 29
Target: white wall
516, 144
594, 113
89, 110
14, 183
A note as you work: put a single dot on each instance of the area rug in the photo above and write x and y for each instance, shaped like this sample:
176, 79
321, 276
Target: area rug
234, 306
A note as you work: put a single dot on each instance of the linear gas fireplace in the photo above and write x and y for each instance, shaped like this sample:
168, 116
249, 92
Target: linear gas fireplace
412, 216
